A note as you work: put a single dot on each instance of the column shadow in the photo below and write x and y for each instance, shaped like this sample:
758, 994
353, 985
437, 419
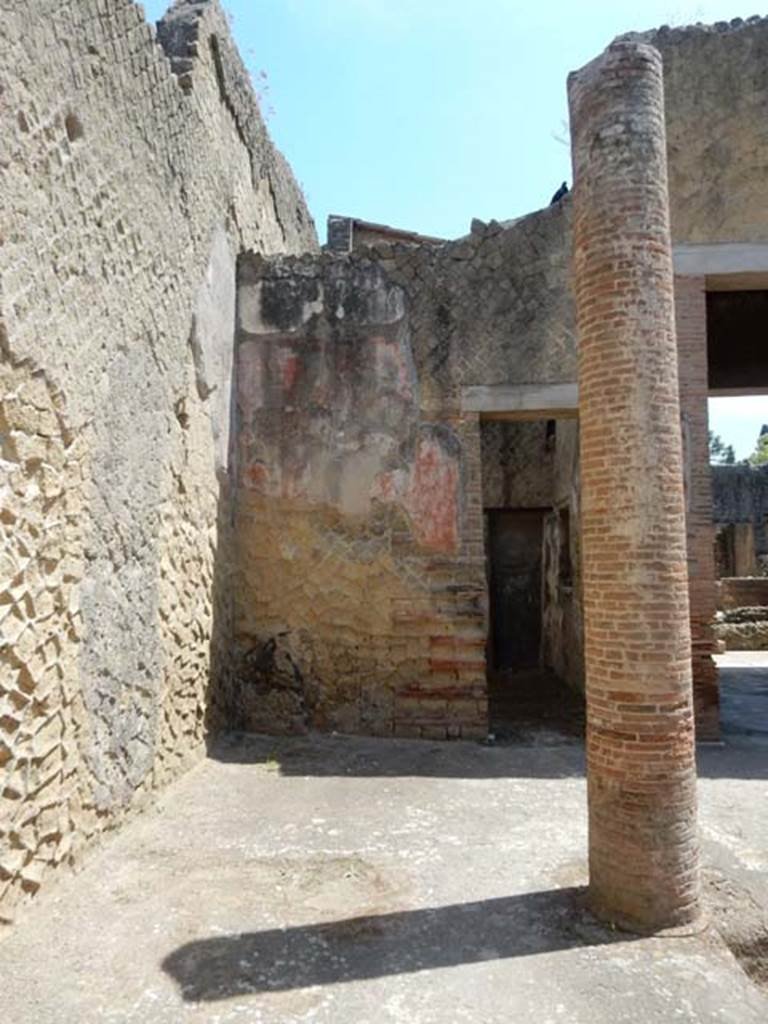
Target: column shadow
380, 945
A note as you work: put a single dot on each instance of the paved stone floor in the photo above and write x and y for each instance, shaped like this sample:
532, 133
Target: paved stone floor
353, 881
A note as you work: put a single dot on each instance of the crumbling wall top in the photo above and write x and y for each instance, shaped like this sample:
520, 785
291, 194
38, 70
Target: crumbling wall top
192, 29
676, 33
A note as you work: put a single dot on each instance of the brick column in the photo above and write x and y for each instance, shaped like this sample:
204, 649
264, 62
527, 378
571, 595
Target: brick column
691, 328
643, 852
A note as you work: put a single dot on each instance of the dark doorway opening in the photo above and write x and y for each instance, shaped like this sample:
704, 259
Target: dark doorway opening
515, 547
736, 350
535, 644
528, 702
737, 358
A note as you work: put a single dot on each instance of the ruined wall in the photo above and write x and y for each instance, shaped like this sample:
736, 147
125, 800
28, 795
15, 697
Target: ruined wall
740, 495
715, 94
492, 308
360, 599
361, 594
127, 193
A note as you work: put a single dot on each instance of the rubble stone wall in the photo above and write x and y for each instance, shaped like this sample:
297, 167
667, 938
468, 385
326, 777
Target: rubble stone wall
132, 177
496, 308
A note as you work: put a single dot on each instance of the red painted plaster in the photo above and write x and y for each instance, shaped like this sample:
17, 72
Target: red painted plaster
432, 497
289, 364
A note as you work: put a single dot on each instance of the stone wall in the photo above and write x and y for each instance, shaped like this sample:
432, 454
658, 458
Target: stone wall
743, 629
132, 177
735, 551
715, 92
518, 462
492, 308
361, 595
740, 495
495, 308
360, 598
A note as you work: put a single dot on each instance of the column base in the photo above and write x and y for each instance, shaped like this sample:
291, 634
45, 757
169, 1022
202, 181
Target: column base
598, 906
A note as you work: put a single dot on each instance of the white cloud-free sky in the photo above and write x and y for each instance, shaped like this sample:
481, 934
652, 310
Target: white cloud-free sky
426, 113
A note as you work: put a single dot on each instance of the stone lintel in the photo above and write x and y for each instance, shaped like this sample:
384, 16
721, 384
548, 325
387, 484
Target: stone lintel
721, 258
522, 401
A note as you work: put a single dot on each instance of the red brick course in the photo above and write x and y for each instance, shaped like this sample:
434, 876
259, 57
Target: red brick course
640, 733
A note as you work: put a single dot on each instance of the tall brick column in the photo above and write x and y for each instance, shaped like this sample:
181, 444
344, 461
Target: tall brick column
643, 852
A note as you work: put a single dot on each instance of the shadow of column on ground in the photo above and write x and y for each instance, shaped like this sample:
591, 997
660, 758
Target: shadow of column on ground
379, 945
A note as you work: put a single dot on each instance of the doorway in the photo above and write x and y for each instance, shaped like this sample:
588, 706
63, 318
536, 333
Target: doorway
534, 642
515, 550
737, 311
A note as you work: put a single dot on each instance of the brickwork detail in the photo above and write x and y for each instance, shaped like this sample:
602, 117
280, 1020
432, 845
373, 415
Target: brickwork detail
640, 735
691, 331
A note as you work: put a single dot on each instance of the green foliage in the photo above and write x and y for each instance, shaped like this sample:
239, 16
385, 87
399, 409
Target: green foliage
759, 456
720, 453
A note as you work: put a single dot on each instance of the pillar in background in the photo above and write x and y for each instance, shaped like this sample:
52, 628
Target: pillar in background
744, 556
691, 329
643, 850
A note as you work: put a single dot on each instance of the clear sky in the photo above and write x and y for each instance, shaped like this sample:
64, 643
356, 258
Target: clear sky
426, 113
738, 421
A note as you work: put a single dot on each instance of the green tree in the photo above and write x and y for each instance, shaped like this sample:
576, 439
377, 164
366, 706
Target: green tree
720, 453
759, 456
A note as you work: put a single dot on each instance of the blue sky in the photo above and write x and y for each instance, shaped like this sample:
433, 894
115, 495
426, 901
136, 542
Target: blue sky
426, 113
